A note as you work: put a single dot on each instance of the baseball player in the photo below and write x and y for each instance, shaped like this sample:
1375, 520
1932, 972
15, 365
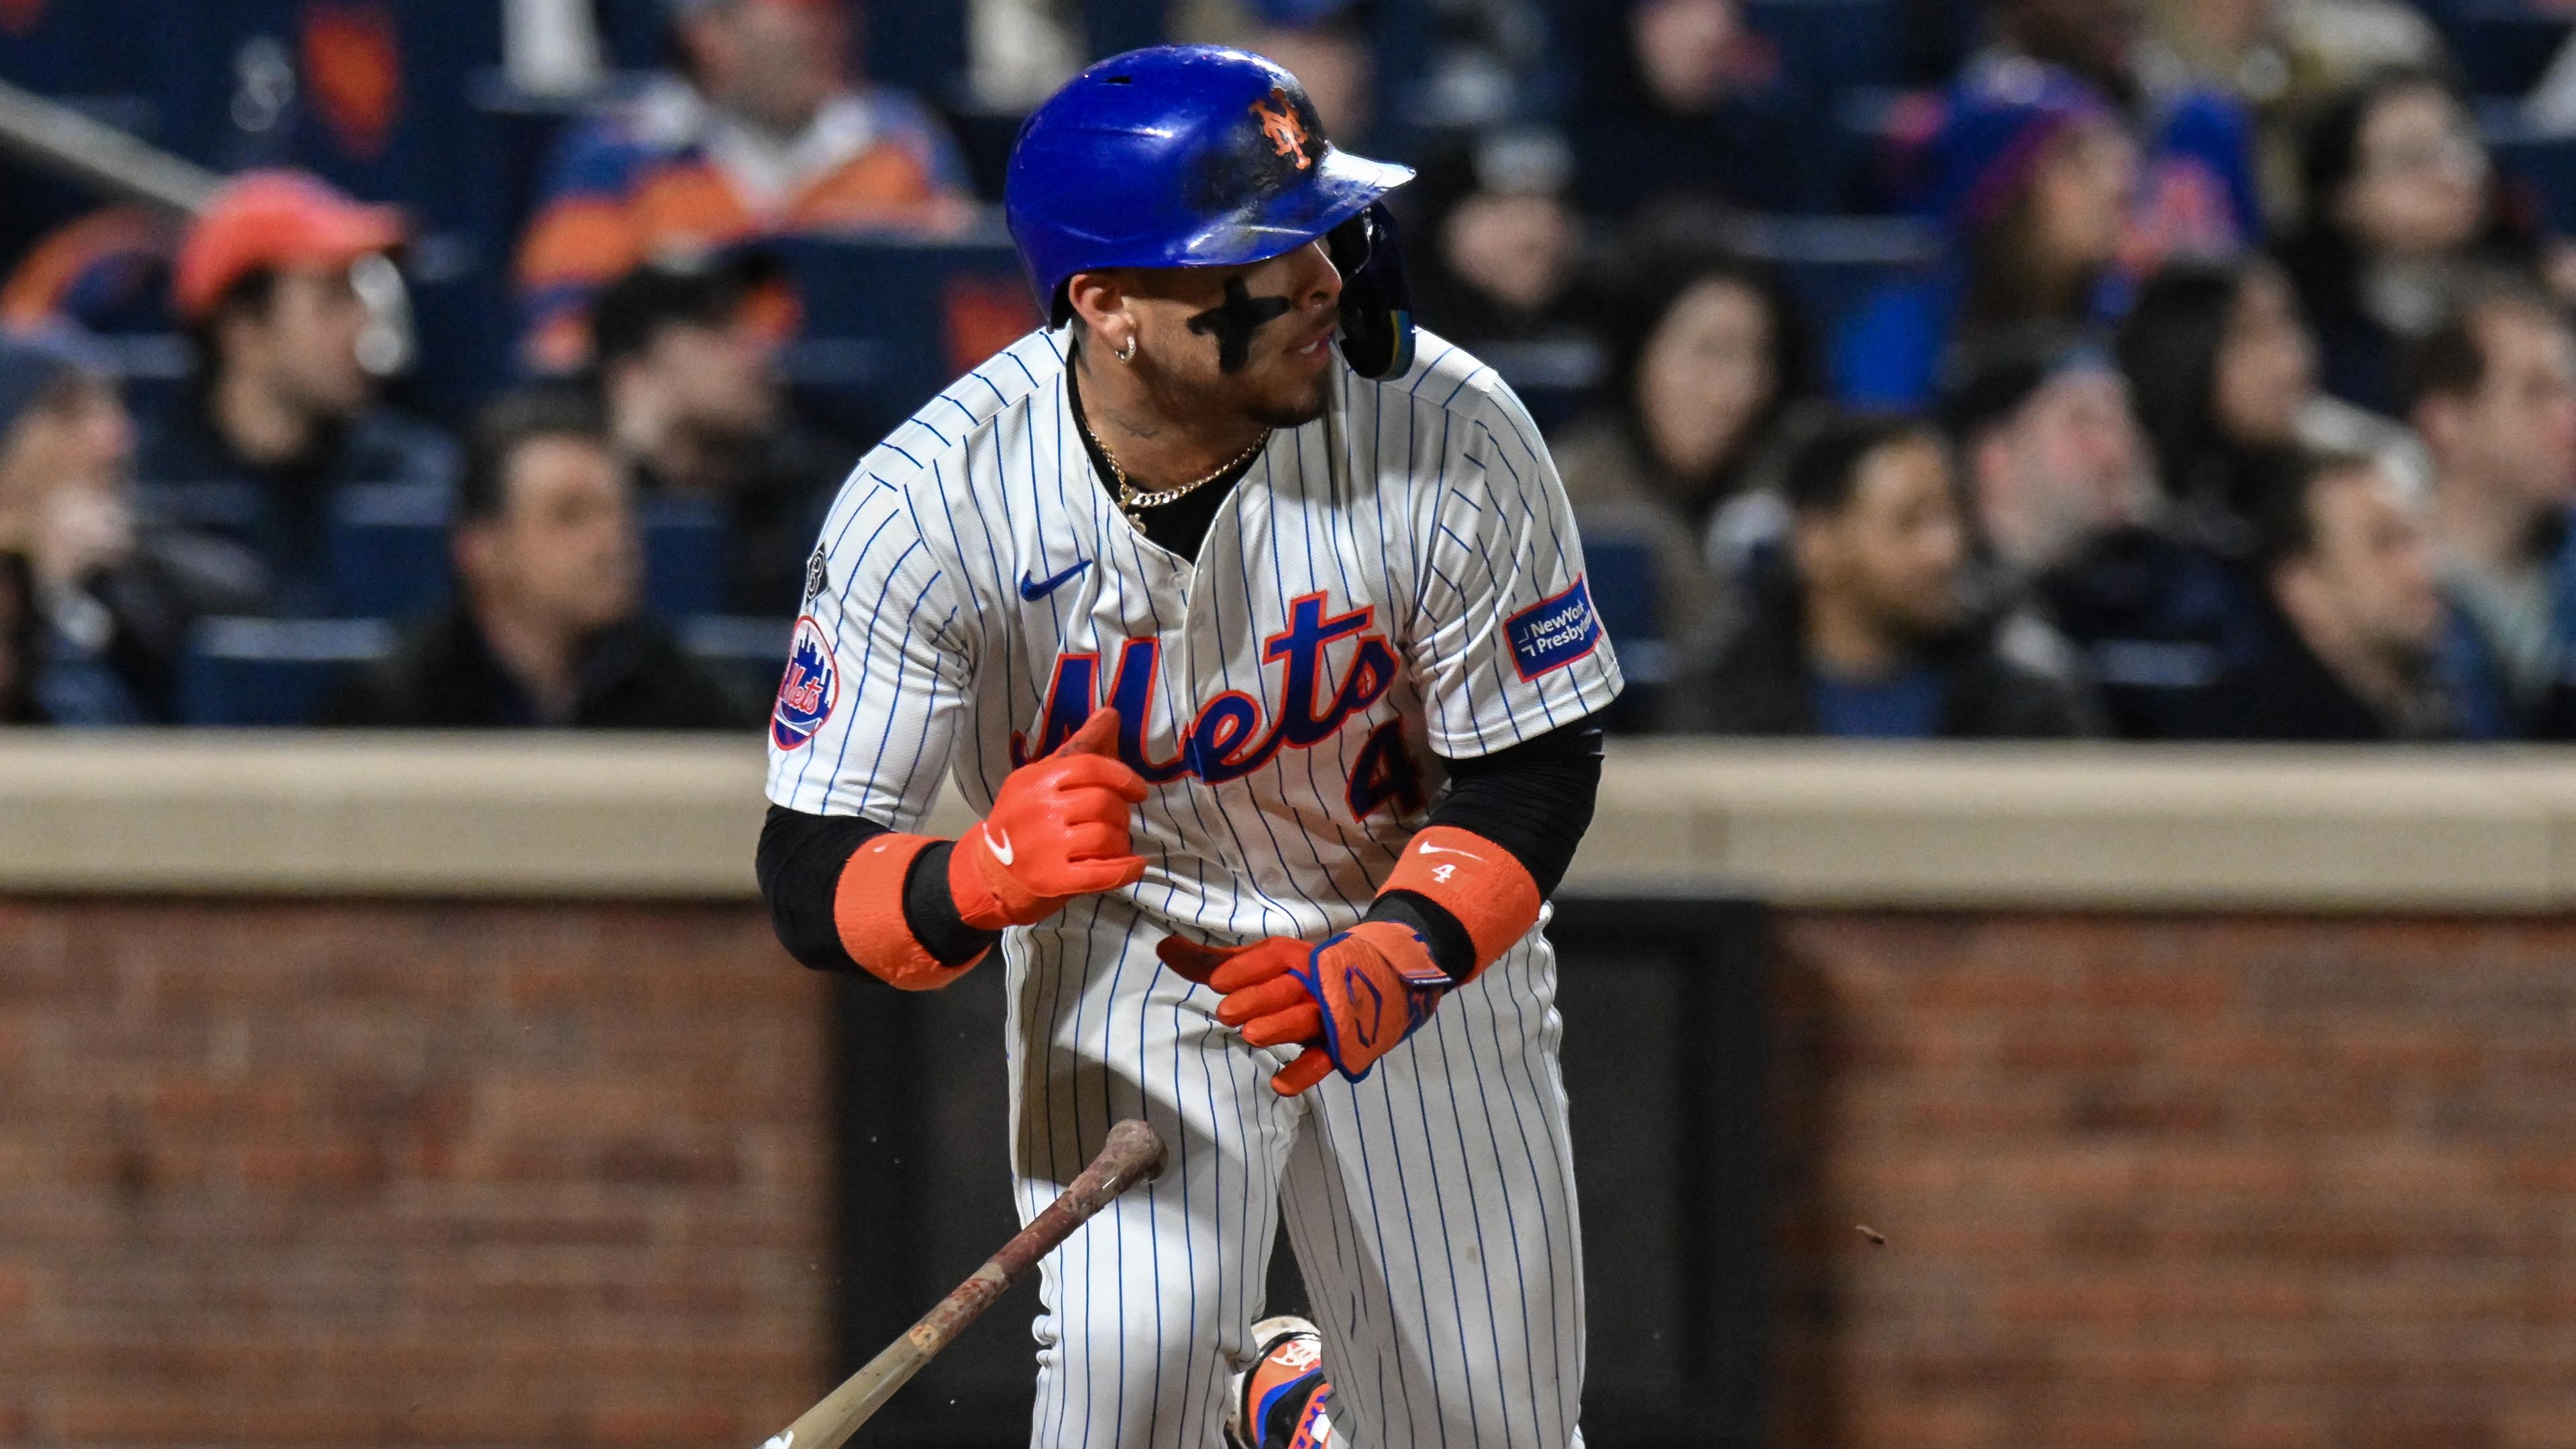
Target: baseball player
1255, 628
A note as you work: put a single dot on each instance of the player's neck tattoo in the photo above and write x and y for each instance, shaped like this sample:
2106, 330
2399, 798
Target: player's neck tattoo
1233, 321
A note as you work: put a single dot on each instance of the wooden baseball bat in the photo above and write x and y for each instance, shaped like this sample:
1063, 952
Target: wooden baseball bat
1133, 1154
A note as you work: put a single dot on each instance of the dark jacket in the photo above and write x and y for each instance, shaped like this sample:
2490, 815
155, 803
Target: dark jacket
289, 527
2159, 618
444, 676
139, 614
2291, 696
2287, 693
1759, 681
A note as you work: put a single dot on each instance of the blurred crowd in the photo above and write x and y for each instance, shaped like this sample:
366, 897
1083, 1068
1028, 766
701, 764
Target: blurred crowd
2231, 396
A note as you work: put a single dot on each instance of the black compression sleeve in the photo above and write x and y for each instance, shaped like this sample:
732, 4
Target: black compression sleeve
1534, 800
799, 866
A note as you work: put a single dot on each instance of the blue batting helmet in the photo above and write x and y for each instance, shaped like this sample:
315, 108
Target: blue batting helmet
1177, 156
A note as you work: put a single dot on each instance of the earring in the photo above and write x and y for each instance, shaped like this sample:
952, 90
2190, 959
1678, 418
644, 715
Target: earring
1127, 350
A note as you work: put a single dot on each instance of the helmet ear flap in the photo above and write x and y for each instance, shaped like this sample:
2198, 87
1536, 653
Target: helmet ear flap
1377, 308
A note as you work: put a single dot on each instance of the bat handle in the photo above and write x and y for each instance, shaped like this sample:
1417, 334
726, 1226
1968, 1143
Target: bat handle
1132, 1154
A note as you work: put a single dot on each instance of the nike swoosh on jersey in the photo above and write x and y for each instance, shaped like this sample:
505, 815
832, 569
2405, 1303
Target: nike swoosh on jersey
1036, 589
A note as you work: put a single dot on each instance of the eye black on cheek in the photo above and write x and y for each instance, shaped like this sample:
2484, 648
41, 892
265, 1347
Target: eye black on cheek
1233, 321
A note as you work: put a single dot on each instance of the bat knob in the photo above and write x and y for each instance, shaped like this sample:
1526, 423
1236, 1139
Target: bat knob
1133, 1153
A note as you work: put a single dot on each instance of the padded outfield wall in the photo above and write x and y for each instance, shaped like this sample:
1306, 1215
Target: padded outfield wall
419, 1092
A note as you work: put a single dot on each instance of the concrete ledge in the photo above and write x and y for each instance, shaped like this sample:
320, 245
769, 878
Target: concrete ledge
666, 817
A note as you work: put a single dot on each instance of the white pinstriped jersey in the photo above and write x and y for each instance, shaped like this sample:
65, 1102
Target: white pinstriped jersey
977, 593
1289, 697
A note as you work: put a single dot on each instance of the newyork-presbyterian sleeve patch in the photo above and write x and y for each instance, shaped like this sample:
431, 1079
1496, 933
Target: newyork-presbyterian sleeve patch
1554, 632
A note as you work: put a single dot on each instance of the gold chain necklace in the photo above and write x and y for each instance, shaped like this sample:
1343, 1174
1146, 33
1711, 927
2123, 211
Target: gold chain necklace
1133, 500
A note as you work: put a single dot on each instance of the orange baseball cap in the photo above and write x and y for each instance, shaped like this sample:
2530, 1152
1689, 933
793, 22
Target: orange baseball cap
274, 219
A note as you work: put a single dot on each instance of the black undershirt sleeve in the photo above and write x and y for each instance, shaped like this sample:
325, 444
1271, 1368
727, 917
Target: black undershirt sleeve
799, 866
1534, 800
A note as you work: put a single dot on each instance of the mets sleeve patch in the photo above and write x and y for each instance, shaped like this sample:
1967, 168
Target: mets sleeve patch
811, 688
1554, 632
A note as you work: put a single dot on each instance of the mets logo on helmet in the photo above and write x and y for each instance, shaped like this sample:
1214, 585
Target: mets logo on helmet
811, 687
1279, 122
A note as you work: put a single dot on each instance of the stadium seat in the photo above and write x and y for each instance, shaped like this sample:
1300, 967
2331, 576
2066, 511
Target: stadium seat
1832, 263
2503, 48
2541, 163
231, 509
684, 541
1555, 380
1826, 45
1621, 570
389, 556
748, 653
271, 671
889, 322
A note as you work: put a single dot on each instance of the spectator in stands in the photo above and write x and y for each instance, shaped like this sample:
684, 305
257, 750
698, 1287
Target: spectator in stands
694, 403
1492, 241
2492, 391
98, 601
2051, 451
765, 131
549, 628
2344, 564
2036, 177
1864, 629
1705, 357
2196, 193
281, 400
2225, 373
1684, 104
2094, 41
2400, 207
2282, 60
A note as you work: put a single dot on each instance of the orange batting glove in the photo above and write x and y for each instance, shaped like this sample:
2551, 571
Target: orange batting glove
1058, 829
1347, 1002
1351, 999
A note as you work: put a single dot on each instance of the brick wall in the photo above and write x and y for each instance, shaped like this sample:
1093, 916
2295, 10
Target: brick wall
392, 1175
306, 1175
2147, 1181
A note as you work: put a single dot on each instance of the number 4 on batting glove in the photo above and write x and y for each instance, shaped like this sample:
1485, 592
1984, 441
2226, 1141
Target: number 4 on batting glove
1347, 1001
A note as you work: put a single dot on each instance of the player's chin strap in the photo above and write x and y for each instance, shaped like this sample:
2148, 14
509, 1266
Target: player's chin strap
1482, 885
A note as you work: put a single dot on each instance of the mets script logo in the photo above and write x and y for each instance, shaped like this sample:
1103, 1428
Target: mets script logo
811, 687
1233, 735
1279, 122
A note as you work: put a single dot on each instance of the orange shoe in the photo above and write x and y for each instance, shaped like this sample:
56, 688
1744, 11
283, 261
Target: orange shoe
1283, 1401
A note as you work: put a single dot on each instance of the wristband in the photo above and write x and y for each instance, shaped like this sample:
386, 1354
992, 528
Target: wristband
1482, 885
867, 909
